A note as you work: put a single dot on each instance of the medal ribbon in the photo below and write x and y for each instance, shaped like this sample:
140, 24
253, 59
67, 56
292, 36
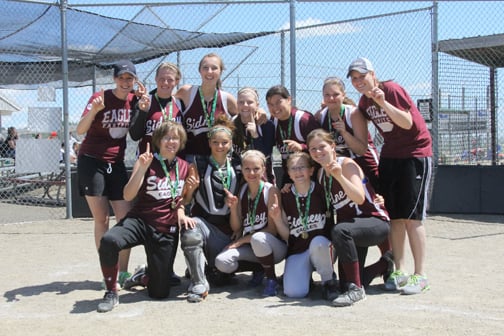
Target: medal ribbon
208, 116
226, 178
328, 190
163, 109
304, 217
289, 130
329, 123
252, 212
173, 184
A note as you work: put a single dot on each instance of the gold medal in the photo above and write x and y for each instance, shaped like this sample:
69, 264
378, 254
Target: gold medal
173, 205
304, 235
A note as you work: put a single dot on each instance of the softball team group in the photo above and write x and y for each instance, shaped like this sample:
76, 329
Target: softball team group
204, 177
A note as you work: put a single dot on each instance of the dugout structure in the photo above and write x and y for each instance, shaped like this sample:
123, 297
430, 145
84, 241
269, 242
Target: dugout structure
469, 176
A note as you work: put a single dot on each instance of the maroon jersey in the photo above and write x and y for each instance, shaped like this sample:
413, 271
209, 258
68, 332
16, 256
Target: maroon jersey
346, 209
399, 143
195, 121
369, 161
155, 199
106, 138
157, 115
316, 220
261, 211
301, 124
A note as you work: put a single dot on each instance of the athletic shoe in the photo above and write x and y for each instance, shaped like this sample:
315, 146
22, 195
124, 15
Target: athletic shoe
136, 278
218, 278
257, 278
122, 277
416, 284
353, 295
271, 287
330, 290
198, 293
110, 300
397, 280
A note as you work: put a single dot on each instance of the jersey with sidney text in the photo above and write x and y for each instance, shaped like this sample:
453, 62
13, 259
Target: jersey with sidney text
346, 209
315, 221
195, 121
160, 194
248, 206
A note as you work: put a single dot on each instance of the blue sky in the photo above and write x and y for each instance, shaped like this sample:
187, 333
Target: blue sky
455, 22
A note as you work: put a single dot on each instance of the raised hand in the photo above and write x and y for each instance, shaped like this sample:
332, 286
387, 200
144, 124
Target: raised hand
145, 159
141, 90
293, 146
192, 181
333, 168
231, 200
251, 128
274, 210
378, 95
98, 102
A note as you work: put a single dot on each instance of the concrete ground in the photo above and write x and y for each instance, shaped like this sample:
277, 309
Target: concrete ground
51, 279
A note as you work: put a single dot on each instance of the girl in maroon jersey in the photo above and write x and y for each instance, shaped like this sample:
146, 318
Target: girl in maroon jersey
292, 125
204, 104
100, 169
359, 222
303, 225
257, 240
157, 106
161, 184
341, 118
404, 170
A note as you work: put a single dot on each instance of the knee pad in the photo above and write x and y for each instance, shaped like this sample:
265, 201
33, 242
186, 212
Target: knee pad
191, 238
191, 242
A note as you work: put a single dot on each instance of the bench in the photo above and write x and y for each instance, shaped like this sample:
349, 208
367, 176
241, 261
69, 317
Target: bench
39, 180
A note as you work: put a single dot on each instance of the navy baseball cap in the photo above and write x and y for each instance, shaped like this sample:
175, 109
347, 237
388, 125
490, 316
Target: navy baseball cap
123, 67
361, 64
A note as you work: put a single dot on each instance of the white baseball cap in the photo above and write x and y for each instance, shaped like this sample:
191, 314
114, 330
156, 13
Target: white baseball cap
361, 64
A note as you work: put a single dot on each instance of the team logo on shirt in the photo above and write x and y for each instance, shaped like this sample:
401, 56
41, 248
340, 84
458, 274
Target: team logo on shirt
160, 189
314, 222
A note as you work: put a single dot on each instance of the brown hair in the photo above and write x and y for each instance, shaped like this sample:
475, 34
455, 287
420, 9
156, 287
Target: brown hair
221, 65
222, 123
301, 155
163, 129
322, 134
339, 83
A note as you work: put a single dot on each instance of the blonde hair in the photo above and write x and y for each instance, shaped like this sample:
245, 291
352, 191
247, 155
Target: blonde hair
254, 153
251, 90
169, 66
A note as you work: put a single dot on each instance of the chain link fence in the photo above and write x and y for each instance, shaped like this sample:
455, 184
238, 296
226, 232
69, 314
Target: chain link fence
398, 37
